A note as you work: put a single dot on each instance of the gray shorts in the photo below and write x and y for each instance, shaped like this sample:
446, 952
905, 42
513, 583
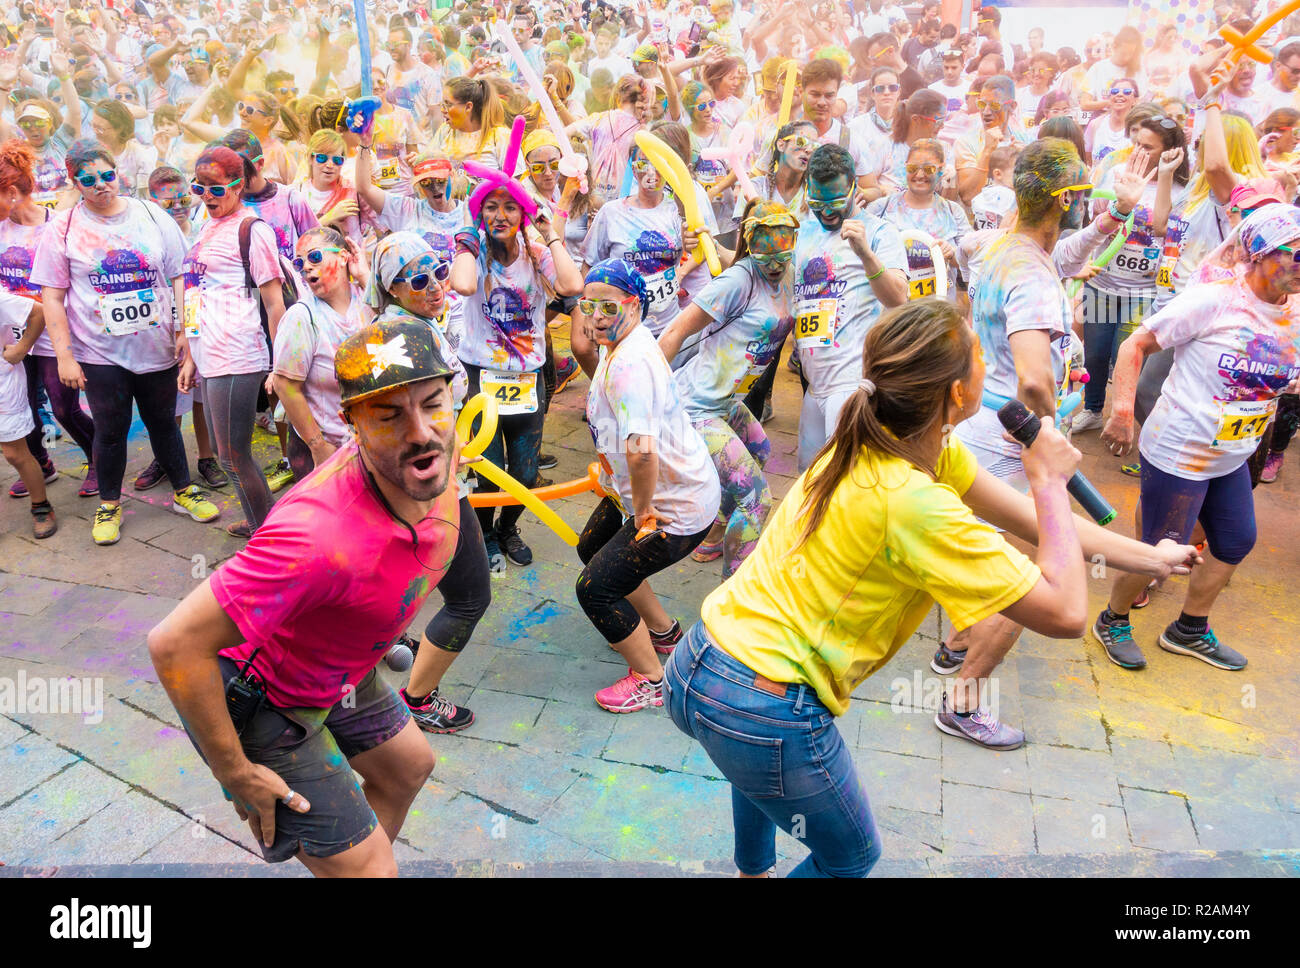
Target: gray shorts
309, 749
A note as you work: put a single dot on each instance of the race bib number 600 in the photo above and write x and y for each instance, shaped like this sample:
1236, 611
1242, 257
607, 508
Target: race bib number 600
124, 313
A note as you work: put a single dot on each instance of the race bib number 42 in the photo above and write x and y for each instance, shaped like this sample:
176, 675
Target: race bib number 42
513, 392
124, 313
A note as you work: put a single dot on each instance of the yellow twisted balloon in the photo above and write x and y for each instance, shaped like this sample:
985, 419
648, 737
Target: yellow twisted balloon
473, 445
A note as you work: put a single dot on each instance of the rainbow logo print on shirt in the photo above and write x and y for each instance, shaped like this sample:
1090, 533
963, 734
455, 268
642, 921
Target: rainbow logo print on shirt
818, 281
652, 253
510, 311
123, 270
16, 270
1261, 372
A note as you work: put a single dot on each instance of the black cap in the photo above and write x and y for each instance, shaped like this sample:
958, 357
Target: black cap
387, 354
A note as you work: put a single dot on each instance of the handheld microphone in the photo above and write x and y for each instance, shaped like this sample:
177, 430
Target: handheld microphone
1023, 425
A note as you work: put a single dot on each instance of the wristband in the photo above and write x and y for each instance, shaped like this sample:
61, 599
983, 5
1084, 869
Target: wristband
560, 212
319, 438
467, 240
878, 272
1114, 212
551, 242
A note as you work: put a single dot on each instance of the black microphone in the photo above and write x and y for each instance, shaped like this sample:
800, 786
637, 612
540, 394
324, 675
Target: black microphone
1023, 425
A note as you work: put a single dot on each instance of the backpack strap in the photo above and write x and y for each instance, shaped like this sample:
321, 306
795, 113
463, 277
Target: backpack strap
245, 244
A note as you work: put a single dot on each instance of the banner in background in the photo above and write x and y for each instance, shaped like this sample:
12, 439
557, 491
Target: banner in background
1193, 18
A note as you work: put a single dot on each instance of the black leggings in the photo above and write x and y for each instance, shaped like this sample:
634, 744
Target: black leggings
65, 402
617, 564
514, 449
466, 588
110, 390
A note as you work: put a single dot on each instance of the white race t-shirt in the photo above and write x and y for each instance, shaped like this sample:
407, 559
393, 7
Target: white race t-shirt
118, 271
632, 392
651, 240
1233, 355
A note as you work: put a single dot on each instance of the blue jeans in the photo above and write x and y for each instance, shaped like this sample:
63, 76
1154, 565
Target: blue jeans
787, 763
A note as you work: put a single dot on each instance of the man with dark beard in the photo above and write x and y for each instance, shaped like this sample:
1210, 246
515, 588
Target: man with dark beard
1022, 316
310, 606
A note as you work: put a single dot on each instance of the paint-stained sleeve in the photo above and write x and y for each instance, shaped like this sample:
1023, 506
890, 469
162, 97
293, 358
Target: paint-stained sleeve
50, 266
1073, 252
1184, 317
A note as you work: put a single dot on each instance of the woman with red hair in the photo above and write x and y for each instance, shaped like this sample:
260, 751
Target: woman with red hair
19, 233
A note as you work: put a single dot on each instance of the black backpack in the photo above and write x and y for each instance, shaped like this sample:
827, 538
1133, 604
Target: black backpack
288, 288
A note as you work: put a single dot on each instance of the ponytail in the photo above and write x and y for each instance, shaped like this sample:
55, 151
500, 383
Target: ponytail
909, 360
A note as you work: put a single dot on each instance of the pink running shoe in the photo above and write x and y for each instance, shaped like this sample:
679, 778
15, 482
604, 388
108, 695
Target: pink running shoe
634, 691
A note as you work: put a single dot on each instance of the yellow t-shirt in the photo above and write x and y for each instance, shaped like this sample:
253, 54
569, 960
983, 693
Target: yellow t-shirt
833, 611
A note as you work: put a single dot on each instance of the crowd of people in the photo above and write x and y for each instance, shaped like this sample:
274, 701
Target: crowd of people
202, 227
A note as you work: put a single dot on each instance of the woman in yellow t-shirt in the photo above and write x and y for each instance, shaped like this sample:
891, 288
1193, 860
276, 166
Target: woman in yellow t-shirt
881, 527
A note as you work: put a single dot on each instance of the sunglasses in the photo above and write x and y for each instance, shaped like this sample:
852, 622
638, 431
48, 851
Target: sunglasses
88, 180
882, 88
939, 119
246, 109
828, 204
772, 258
216, 191
337, 159
1070, 188
701, 105
420, 281
641, 166
315, 257
124, 96
1282, 131
989, 105
882, 52
799, 142
929, 170
28, 124
604, 307
540, 167
1293, 253
286, 90
1126, 91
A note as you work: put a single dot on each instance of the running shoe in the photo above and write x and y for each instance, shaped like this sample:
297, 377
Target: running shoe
665, 642
793, 365
107, 528
240, 529
546, 461
980, 727
1132, 470
192, 501
44, 523
566, 371
705, 551
946, 661
1271, 468
634, 691
1116, 637
150, 477
90, 484
438, 714
19, 489
516, 550
264, 421
212, 473
767, 412
541, 480
279, 475
1205, 647
495, 556
1087, 420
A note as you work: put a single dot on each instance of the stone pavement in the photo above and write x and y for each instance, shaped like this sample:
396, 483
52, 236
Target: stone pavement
1179, 769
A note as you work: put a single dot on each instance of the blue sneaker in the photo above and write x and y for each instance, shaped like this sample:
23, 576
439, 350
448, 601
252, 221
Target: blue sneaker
946, 661
1116, 637
1205, 647
980, 727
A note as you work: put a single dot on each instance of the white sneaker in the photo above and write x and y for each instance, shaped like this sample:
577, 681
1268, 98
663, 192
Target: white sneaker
1087, 420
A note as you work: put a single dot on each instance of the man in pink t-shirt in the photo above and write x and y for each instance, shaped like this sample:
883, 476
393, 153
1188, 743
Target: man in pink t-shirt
313, 602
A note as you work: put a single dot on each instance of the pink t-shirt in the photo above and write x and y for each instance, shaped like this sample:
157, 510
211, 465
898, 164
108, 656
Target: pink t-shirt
118, 273
17, 248
221, 317
329, 581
